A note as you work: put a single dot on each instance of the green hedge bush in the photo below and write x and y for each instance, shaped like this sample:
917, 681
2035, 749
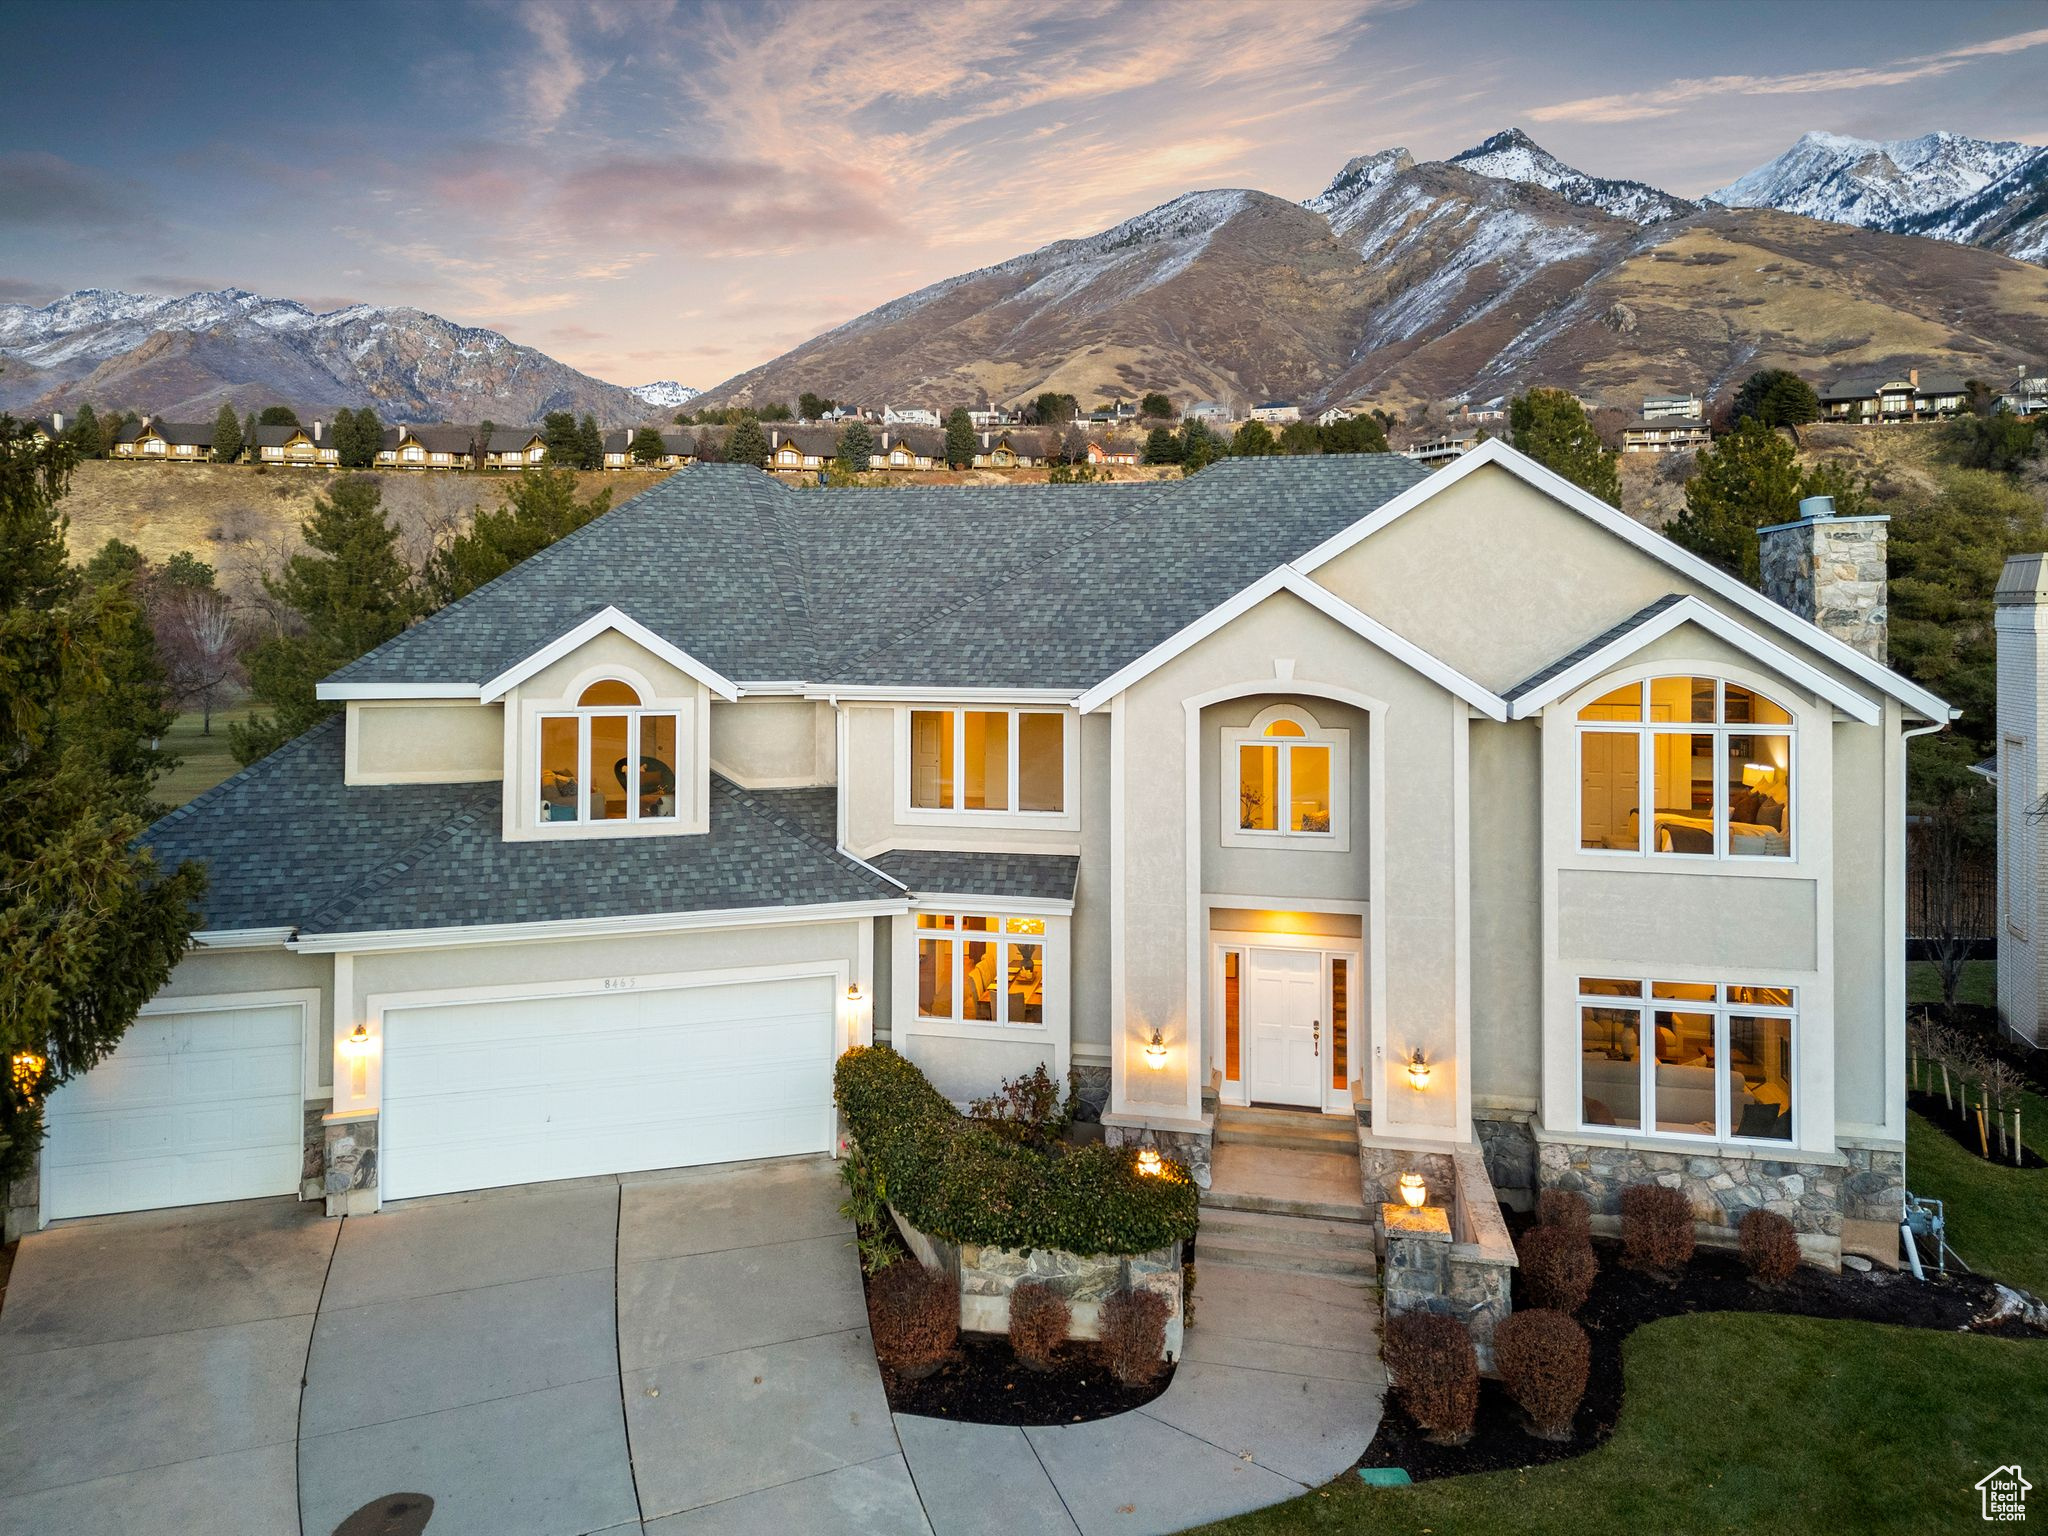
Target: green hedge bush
957, 1180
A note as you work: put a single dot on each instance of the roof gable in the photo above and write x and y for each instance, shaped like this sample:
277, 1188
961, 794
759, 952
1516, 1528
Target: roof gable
574, 639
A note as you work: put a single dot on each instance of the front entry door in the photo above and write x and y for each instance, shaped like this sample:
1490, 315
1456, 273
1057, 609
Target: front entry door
1283, 1014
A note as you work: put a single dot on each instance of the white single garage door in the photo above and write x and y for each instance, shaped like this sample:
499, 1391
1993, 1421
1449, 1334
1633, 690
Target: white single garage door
518, 1090
192, 1107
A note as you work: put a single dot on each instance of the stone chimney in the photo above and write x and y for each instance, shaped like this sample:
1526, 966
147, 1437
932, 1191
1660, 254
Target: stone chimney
2021, 625
1830, 570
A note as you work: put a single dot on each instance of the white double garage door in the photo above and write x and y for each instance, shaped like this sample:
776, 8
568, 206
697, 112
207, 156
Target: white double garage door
206, 1103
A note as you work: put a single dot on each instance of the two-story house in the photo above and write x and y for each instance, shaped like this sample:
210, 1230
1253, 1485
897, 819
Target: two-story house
1459, 808
168, 442
295, 445
427, 448
618, 449
515, 448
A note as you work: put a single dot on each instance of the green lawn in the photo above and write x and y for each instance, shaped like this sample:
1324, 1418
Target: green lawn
1979, 985
203, 760
1997, 1217
1747, 1422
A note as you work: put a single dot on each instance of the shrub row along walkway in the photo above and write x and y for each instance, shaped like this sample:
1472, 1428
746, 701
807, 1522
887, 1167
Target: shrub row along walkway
1280, 1390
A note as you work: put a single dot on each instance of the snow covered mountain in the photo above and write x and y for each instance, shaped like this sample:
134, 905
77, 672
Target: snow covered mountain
1512, 155
1941, 185
180, 357
665, 394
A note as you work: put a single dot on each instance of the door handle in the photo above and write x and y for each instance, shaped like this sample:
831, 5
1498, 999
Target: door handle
1316, 1035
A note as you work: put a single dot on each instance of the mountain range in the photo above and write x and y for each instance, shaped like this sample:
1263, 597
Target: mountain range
1500, 267
181, 357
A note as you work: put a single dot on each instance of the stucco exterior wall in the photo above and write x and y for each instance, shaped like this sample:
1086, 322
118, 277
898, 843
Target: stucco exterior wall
1415, 744
223, 972
1507, 927
771, 743
1302, 870
428, 741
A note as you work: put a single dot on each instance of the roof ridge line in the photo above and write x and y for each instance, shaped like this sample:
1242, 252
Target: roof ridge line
783, 821
473, 807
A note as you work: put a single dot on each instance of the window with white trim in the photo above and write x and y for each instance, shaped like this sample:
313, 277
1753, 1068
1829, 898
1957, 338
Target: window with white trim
1687, 1058
976, 968
607, 760
1286, 778
1012, 761
1692, 767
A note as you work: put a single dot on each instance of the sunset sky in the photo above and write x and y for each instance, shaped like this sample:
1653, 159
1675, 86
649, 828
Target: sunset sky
678, 190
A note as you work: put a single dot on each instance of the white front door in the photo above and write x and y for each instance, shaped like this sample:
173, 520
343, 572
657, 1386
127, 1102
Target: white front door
515, 1090
1283, 1026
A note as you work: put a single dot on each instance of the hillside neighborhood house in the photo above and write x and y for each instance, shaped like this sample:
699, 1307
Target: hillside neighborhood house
1664, 434
1276, 412
1581, 864
1908, 396
188, 442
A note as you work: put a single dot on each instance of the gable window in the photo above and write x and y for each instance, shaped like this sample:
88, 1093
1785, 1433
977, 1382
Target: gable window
1683, 1058
1286, 779
608, 760
1693, 767
1007, 760
973, 968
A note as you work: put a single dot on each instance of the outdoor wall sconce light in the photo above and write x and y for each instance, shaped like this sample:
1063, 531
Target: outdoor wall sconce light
357, 1044
1155, 1050
28, 1071
1418, 1070
1149, 1163
853, 993
1413, 1190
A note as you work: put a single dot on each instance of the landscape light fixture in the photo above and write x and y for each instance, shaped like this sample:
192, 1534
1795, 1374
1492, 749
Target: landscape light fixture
1413, 1190
1149, 1163
28, 1071
1418, 1070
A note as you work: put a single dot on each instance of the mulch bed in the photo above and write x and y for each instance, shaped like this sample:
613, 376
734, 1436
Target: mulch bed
1623, 1301
1935, 1110
1981, 1024
984, 1384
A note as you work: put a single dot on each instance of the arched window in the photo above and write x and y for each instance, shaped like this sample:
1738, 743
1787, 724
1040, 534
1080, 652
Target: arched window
609, 759
1285, 777
1690, 767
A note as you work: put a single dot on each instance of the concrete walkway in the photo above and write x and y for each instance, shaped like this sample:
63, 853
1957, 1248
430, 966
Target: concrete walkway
1280, 1390
644, 1356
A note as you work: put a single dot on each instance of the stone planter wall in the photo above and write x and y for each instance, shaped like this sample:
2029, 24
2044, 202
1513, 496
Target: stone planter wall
1454, 1256
1192, 1149
987, 1275
1815, 1193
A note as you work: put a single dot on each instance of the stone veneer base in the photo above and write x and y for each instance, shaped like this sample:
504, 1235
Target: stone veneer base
1194, 1149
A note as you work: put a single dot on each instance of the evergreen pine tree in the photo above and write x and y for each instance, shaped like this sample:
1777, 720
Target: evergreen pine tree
1254, 440
590, 444
1748, 480
856, 448
1161, 446
1552, 428
1776, 397
563, 441
369, 441
86, 435
1199, 447
748, 444
960, 439
648, 446
90, 927
351, 590
249, 435
343, 438
540, 506
227, 435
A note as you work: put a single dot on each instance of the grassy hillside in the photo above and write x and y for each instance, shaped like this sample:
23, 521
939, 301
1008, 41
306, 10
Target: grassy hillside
1899, 458
243, 519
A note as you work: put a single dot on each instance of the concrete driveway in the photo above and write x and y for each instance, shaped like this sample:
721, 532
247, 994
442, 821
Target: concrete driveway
664, 1353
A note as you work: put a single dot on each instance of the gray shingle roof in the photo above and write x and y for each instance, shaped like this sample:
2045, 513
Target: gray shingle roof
1043, 876
1599, 642
1017, 586
287, 844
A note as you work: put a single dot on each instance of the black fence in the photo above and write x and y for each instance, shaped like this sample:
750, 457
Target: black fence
1972, 909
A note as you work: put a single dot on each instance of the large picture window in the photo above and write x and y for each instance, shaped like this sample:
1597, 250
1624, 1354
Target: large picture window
1686, 766
1685, 1058
975, 968
609, 760
1009, 761
1285, 779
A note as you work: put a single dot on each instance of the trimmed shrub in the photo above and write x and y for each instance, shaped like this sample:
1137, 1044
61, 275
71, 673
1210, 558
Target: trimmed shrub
1039, 1322
1656, 1229
966, 1182
1543, 1357
916, 1318
1558, 1267
1133, 1326
1567, 1211
1436, 1373
1770, 1248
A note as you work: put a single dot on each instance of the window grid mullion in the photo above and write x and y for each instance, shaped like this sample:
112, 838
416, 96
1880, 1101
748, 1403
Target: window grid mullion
1010, 768
582, 767
631, 788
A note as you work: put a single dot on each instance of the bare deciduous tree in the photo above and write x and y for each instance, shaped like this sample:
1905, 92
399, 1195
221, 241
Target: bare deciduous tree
1955, 914
199, 641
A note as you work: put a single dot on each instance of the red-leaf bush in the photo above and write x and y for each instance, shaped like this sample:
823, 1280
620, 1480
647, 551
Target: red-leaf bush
1039, 1323
1656, 1229
1436, 1373
1770, 1248
1566, 1210
1133, 1328
1543, 1357
1558, 1267
915, 1313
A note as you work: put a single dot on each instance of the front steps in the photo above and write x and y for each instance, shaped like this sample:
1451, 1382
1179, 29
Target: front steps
1284, 1194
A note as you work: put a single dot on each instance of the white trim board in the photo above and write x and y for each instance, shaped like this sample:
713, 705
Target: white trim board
1690, 610
1626, 528
591, 927
609, 619
1287, 578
